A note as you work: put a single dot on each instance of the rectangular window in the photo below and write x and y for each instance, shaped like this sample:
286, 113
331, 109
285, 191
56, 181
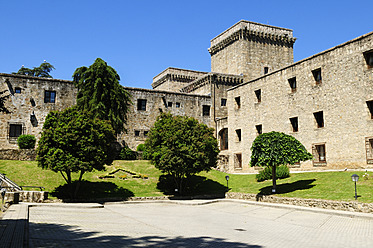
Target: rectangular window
370, 108
17, 90
141, 104
177, 105
294, 124
15, 130
238, 133
146, 133
238, 161
317, 75
293, 84
319, 154
238, 101
266, 70
258, 129
223, 102
369, 149
169, 104
319, 118
206, 110
223, 139
369, 58
49, 96
258, 94
137, 133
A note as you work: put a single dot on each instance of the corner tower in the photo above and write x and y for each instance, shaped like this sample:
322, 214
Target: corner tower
251, 49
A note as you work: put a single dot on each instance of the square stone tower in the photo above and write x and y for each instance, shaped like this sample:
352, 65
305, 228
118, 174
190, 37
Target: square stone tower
251, 49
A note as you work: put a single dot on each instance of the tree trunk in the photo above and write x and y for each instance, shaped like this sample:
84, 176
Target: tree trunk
274, 178
78, 183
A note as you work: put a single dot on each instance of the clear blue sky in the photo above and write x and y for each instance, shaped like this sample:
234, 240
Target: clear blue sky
141, 38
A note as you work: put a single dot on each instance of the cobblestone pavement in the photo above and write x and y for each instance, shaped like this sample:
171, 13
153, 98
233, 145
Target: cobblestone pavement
221, 224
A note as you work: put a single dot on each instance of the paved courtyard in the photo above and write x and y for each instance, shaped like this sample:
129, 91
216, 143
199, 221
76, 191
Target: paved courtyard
221, 224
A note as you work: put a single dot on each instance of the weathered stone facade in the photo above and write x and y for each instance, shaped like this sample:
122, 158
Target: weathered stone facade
148, 104
327, 111
31, 99
251, 49
325, 101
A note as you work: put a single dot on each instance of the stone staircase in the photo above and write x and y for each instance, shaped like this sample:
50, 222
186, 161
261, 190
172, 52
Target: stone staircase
8, 184
13, 193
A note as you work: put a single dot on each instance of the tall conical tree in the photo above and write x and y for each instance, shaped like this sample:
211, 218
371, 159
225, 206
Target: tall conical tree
99, 92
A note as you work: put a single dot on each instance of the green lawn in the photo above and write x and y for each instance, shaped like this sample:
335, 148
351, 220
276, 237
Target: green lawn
321, 185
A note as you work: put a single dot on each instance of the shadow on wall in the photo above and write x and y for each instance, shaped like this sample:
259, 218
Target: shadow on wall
194, 186
53, 235
288, 187
92, 191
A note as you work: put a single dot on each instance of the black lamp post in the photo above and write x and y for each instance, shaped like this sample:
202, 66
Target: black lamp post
227, 178
355, 178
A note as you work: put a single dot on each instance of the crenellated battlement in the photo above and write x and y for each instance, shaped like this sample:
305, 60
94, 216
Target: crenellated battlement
252, 31
217, 78
176, 75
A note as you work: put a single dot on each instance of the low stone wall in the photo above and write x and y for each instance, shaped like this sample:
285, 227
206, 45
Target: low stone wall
18, 154
25, 196
317, 203
33, 196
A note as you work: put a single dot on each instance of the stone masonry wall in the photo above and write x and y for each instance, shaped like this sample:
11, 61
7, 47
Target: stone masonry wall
246, 48
342, 95
18, 154
173, 79
30, 101
140, 121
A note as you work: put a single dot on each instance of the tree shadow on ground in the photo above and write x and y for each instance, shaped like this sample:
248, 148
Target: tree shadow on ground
91, 192
195, 186
288, 187
57, 235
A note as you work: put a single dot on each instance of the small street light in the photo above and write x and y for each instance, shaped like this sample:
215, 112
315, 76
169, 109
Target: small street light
355, 178
227, 178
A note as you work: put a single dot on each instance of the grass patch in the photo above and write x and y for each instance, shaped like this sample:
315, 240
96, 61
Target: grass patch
316, 185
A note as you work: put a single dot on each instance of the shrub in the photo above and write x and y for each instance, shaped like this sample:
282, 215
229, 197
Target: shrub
266, 174
26, 141
127, 154
140, 148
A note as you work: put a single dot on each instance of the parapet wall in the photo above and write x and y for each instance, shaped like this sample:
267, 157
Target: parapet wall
173, 79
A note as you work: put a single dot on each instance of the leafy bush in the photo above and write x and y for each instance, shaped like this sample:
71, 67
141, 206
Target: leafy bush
266, 174
127, 154
140, 148
26, 141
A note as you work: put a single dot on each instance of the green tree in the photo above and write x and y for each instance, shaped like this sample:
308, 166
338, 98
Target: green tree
181, 147
99, 92
74, 141
3, 98
42, 71
274, 149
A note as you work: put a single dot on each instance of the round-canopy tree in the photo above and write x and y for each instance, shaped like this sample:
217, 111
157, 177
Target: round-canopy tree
42, 71
99, 92
181, 147
274, 149
74, 141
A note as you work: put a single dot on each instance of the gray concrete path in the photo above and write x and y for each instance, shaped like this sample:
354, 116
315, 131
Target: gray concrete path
219, 224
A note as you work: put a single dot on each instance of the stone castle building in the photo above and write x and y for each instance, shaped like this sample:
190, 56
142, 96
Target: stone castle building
325, 101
